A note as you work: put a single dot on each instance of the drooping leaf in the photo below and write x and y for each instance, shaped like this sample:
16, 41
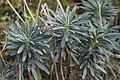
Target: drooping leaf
34, 73
84, 73
92, 71
100, 68
42, 67
74, 58
21, 48
24, 55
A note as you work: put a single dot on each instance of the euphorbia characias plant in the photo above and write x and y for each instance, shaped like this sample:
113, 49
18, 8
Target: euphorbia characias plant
28, 44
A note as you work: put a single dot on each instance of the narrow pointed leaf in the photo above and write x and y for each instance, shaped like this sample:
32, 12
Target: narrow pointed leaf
21, 49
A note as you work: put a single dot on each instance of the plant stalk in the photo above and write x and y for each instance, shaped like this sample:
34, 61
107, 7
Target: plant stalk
20, 72
100, 14
56, 72
15, 11
52, 71
29, 10
1, 56
37, 12
61, 8
61, 75
29, 76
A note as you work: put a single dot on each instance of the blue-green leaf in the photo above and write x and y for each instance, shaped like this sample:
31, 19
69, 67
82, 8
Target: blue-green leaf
42, 67
21, 48
84, 73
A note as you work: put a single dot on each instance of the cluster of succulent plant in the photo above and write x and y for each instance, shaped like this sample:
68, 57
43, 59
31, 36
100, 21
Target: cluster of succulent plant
88, 40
